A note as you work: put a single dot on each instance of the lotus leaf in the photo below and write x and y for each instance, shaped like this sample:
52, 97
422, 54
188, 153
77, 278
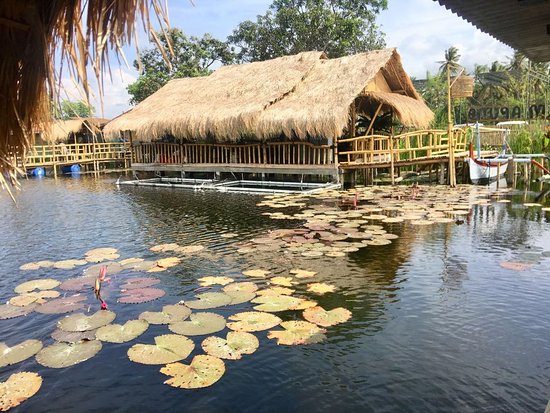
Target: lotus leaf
59, 355
45, 264
305, 304
283, 281
229, 235
113, 267
253, 321
102, 257
23, 300
156, 268
168, 262
42, 284
19, 352
62, 305
516, 266
233, 347
247, 286
82, 322
312, 253
130, 262
117, 333
208, 281
303, 273
102, 251
298, 332
140, 295
275, 291
169, 314
320, 288
165, 247
378, 241
68, 264
11, 311
199, 324
78, 283
167, 349
139, 282
30, 266
256, 273
209, 300
73, 337
276, 303
190, 249
18, 388
203, 371
324, 318
239, 297
142, 266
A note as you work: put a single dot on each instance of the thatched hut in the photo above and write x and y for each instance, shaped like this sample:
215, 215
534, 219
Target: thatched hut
302, 97
71, 131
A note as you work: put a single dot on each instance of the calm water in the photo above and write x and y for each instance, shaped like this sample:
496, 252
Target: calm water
438, 325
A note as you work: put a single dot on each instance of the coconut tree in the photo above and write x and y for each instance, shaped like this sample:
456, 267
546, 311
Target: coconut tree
450, 63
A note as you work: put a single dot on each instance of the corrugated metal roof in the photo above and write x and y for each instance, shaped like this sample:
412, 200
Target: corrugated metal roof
522, 24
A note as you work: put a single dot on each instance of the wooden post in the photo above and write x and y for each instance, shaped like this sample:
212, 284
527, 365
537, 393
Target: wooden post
54, 161
498, 175
373, 119
451, 171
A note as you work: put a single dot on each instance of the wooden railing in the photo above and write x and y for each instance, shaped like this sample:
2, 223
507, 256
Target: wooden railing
271, 153
408, 147
46, 155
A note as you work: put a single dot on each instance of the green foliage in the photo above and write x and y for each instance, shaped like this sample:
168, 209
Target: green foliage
72, 109
192, 57
338, 27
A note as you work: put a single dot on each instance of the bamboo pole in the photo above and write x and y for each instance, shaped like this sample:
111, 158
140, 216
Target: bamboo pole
450, 140
374, 118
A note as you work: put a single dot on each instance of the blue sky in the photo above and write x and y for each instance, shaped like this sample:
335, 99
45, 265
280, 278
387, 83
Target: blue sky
420, 29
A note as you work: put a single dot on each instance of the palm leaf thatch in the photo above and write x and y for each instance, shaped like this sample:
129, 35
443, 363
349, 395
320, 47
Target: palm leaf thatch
61, 130
36, 34
301, 96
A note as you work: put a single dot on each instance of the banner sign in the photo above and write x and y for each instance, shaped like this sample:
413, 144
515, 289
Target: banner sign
506, 113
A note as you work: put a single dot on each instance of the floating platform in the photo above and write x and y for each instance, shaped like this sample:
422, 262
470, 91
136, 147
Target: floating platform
240, 185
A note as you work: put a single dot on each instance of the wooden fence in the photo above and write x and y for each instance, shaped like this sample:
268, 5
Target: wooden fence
406, 148
82, 153
270, 153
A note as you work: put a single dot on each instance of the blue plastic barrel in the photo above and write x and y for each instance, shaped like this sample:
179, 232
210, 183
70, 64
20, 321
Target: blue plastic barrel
38, 172
71, 169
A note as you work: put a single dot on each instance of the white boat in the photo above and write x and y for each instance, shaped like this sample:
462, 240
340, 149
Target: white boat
485, 170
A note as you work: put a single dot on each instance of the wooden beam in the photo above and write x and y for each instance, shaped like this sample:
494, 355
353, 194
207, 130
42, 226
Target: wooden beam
374, 118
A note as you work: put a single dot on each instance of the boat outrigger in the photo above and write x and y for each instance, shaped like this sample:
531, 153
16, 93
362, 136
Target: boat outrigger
484, 170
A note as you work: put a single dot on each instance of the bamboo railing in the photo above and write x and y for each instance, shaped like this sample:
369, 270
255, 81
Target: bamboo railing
47, 155
270, 153
408, 147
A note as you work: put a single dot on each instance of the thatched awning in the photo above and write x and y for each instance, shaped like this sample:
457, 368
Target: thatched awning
60, 130
301, 96
410, 112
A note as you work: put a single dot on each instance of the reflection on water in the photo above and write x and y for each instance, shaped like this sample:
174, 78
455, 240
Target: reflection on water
438, 324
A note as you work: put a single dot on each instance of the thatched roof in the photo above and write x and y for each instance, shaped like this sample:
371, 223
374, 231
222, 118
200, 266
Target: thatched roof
60, 130
35, 34
300, 96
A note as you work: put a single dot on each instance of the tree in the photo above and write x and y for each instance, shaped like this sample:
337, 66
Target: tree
191, 57
73, 109
337, 27
451, 62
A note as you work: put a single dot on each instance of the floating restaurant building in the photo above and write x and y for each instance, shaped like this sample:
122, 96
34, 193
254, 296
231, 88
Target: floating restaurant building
303, 114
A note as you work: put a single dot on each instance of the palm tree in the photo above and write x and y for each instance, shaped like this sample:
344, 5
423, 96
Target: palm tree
451, 62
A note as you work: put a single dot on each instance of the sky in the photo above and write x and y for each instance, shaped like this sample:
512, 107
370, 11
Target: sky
420, 29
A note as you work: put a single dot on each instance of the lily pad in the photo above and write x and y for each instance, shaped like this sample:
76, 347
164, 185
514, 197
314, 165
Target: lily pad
19, 352
167, 349
283, 281
73, 337
516, 266
232, 347
62, 305
324, 318
68, 264
140, 295
199, 324
208, 281
246, 286
209, 300
239, 297
139, 282
203, 371
169, 314
102, 251
190, 249
60, 355
257, 273
18, 388
117, 333
303, 273
298, 332
275, 291
165, 247
276, 303
78, 283
320, 288
36, 285
251, 321
8, 311
23, 300
142, 266
130, 262
83, 322
30, 266
113, 267
168, 262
